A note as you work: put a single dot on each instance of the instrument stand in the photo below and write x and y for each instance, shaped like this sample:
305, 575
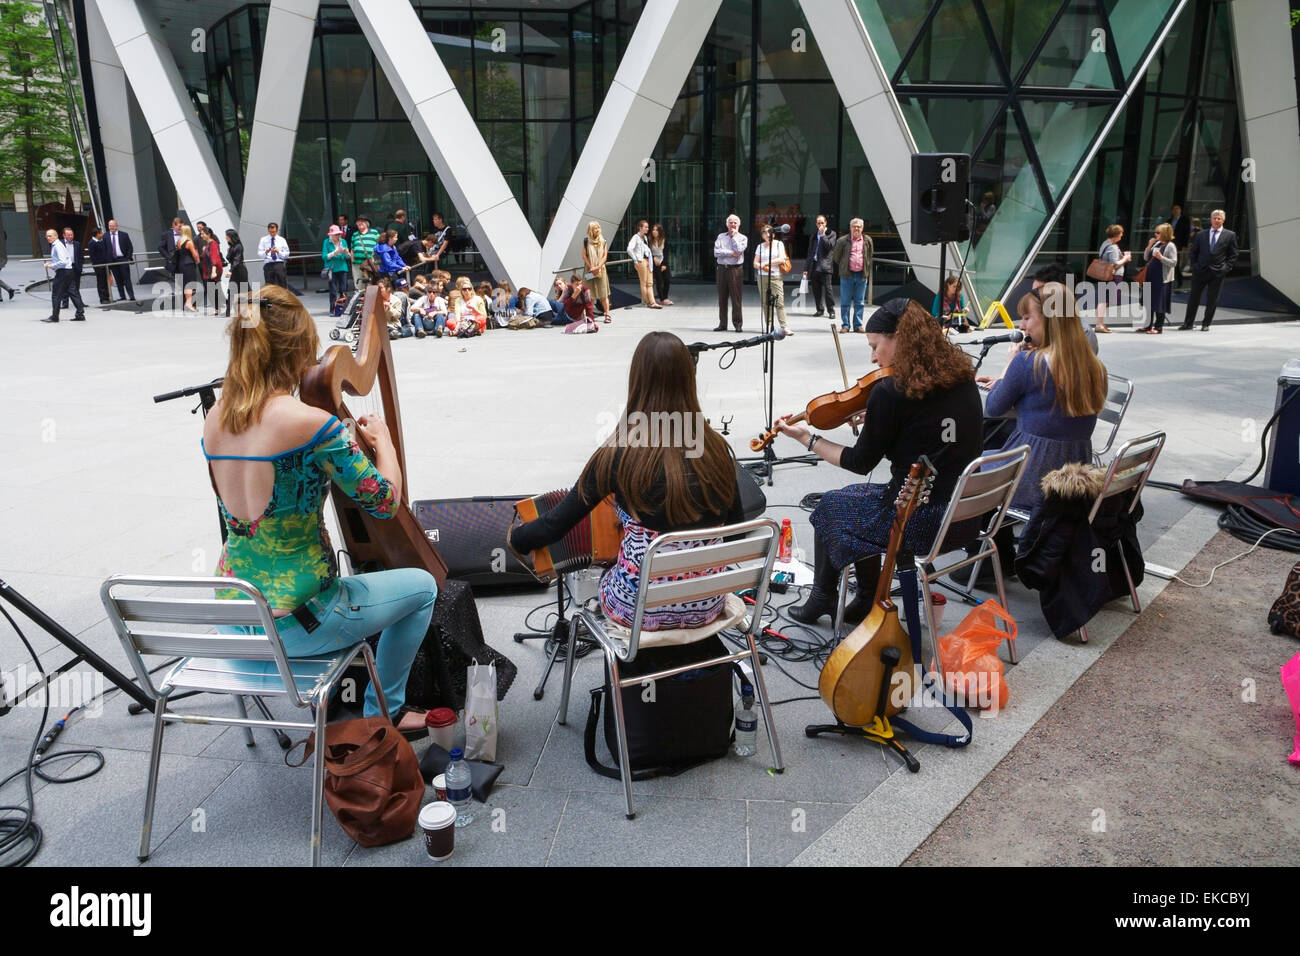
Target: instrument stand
881, 731
557, 639
82, 652
761, 466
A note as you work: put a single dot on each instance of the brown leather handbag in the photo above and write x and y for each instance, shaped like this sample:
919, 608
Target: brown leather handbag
372, 780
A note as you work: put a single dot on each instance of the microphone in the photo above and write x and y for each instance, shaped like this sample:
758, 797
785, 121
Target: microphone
783, 228
696, 348
774, 336
1014, 336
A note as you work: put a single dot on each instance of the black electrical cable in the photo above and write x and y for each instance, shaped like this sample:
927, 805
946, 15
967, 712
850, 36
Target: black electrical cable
20, 836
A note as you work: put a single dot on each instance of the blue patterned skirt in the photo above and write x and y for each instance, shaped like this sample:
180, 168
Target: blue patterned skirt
855, 522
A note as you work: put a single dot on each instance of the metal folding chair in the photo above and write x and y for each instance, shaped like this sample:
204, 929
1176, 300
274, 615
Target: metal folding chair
1128, 472
987, 485
146, 613
1118, 394
727, 559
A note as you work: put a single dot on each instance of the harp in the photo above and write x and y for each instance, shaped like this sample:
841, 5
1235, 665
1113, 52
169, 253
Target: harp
399, 541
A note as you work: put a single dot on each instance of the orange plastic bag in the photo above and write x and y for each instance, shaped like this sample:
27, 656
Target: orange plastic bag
968, 657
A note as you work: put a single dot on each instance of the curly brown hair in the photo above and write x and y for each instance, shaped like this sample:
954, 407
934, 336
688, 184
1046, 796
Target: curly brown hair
925, 360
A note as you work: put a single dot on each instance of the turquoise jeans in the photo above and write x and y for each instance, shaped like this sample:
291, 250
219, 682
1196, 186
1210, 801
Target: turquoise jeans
397, 605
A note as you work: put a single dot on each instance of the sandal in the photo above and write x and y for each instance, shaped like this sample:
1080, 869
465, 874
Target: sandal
411, 733
608, 320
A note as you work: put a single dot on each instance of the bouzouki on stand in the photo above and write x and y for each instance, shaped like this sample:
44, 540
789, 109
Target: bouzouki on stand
399, 541
871, 675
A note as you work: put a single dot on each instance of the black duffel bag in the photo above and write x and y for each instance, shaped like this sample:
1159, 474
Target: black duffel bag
687, 722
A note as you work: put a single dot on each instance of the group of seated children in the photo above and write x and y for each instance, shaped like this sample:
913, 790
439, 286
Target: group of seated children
435, 305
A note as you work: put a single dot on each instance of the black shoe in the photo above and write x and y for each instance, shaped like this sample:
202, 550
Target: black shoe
1205, 328
811, 610
49, 318
818, 315
78, 318
1184, 328
740, 328
11, 295
720, 328
856, 611
985, 581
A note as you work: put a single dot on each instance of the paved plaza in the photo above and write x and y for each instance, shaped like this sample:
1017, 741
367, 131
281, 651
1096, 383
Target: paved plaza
102, 481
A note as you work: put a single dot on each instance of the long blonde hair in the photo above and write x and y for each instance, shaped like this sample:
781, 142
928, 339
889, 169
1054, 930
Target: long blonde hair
594, 235
272, 343
1078, 375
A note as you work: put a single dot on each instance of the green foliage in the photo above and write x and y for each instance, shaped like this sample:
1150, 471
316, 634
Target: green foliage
35, 131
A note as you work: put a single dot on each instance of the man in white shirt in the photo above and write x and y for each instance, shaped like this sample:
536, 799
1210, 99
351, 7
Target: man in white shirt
65, 264
729, 252
274, 251
121, 256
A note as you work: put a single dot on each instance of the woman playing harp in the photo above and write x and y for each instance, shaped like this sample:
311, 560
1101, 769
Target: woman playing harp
271, 458
676, 478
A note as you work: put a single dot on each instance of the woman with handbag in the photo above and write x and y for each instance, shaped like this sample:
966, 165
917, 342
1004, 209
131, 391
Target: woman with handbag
595, 252
238, 272
1162, 259
928, 406
1109, 289
659, 263
467, 313
212, 269
271, 459
639, 249
338, 263
666, 483
770, 261
188, 254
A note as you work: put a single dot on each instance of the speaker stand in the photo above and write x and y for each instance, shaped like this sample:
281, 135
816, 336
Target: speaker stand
557, 639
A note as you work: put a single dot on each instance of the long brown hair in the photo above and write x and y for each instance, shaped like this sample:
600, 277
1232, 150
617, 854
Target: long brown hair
661, 381
272, 342
925, 360
1078, 375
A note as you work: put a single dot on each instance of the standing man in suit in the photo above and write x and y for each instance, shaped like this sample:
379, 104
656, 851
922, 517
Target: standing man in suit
1214, 254
120, 255
1182, 227
819, 267
274, 251
169, 248
97, 252
65, 262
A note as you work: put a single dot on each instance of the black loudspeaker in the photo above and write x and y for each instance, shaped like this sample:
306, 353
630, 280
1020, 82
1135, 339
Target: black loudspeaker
470, 534
940, 188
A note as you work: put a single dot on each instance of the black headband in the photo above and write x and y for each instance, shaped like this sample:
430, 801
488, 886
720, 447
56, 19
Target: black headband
884, 321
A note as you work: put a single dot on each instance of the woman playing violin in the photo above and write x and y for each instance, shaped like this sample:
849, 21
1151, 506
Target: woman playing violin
929, 406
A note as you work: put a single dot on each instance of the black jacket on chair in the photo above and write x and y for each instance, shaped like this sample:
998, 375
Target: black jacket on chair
1058, 551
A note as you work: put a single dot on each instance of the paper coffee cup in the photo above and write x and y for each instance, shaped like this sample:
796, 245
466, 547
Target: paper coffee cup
440, 786
438, 821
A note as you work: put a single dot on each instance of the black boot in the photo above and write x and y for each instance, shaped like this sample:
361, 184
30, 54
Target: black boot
825, 587
867, 572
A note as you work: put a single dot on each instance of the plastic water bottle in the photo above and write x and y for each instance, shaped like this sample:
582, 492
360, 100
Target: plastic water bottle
746, 723
458, 788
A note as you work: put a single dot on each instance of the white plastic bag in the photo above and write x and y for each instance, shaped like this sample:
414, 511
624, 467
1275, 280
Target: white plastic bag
803, 286
481, 712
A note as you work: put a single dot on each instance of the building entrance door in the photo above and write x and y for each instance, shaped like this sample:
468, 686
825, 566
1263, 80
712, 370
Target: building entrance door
379, 195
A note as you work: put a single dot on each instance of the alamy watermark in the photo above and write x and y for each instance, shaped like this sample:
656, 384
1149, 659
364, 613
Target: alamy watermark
684, 430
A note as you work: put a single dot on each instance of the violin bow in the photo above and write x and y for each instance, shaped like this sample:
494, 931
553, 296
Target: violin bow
844, 374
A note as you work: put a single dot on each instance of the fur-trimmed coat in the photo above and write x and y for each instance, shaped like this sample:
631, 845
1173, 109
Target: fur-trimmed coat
1075, 566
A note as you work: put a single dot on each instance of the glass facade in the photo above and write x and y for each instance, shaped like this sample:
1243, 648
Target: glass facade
1027, 87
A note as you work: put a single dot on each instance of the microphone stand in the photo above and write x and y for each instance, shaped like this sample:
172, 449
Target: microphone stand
762, 466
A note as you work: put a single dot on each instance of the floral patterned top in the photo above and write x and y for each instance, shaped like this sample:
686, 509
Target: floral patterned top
286, 551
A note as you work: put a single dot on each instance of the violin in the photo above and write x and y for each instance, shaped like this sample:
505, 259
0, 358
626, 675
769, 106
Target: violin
832, 409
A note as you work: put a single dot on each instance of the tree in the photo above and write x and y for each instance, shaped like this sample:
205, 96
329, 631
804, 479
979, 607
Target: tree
35, 130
